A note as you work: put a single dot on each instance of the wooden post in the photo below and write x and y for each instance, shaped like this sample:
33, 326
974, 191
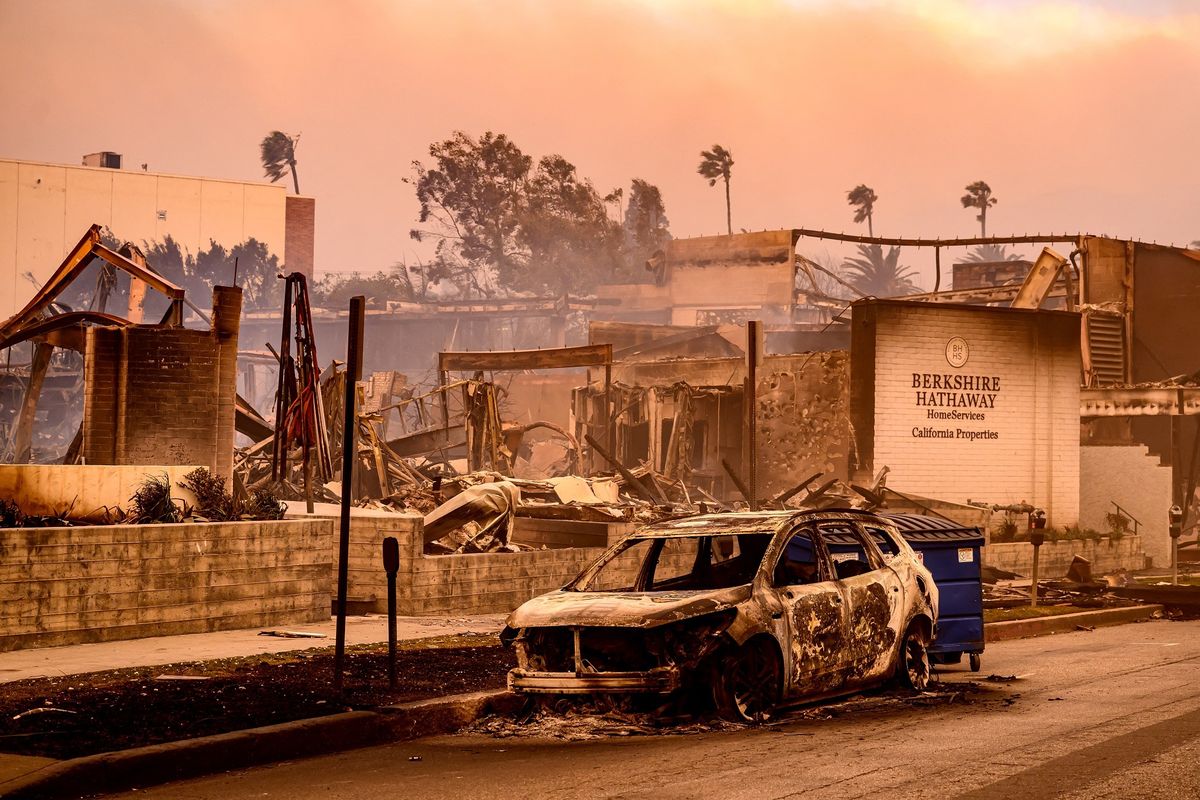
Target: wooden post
349, 428
23, 435
610, 424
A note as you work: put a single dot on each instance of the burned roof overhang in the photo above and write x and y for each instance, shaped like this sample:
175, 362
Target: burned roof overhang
77, 260
1139, 401
64, 330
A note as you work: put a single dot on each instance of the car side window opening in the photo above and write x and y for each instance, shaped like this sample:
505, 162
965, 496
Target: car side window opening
800, 563
684, 563
884, 541
849, 552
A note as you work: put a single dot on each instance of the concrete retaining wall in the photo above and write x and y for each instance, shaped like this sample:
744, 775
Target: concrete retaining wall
484, 583
1105, 554
100, 583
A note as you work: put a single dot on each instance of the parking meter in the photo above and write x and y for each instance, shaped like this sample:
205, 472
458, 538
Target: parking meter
1037, 537
391, 565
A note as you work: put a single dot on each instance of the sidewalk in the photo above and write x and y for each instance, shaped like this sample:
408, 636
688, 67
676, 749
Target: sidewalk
80, 658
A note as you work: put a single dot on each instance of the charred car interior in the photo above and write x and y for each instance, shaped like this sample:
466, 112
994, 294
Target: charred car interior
740, 611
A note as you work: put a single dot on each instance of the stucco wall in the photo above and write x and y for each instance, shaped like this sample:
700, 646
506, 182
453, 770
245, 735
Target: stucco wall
45, 208
100, 583
82, 491
1135, 480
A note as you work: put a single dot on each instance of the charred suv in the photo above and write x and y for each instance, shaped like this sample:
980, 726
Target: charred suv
748, 609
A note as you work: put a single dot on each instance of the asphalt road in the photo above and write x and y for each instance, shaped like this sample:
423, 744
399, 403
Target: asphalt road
1111, 713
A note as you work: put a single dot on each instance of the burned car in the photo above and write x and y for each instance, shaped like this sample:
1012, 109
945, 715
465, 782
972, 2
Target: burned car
746, 610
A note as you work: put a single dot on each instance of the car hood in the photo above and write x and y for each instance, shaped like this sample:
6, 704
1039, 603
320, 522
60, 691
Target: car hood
623, 609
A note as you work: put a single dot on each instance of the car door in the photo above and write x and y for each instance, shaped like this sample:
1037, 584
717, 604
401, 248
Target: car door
813, 610
873, 594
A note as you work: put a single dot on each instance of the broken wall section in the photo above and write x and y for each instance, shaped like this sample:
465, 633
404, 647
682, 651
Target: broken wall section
802, 417
804, 422
157, 395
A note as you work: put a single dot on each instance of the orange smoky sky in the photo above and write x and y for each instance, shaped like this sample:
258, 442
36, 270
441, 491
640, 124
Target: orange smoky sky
1081, 115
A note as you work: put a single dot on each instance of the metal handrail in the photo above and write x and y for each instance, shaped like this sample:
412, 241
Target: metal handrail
1125, 513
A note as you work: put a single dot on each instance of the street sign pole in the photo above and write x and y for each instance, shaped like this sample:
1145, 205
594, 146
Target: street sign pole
349, 456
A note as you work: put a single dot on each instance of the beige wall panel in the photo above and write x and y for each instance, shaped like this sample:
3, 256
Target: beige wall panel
41, 198
89, 202
180, 199
8, 242
221, 213
265, 216
133, 206
735, 285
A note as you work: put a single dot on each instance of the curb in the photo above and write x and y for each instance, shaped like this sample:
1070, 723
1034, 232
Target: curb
1060, 623
189, 758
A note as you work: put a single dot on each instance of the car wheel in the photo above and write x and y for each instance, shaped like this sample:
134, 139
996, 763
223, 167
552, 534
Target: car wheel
976, 662
747, 684
914, 669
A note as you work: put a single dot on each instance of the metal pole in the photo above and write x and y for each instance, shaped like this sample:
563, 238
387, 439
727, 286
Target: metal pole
391, 564
1175, 520
1033, 590
753, 345
349, 428
1174, 562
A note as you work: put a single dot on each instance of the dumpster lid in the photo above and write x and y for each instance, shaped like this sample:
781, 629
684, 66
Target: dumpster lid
920, 528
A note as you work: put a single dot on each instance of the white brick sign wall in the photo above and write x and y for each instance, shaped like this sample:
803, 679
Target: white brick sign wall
976, 403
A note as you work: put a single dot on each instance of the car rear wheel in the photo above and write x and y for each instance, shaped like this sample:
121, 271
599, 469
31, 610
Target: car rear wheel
747, 684
913, 669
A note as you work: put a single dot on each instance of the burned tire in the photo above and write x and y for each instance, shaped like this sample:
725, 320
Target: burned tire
913, 669
747, 683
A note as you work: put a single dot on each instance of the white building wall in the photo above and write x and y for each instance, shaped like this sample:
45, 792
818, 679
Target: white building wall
46, 208
1022, 447
1135, 480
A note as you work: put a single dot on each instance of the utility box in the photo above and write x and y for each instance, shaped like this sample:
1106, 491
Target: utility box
951, 551
105, 158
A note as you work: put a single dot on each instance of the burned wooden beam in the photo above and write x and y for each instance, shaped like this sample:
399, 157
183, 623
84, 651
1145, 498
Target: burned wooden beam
592, 355
629, 477
23, 435
737, 480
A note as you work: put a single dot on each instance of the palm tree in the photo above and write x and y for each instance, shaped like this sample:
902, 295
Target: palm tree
279, 157
863, 198
979, 195
878, 275
716, 164
990, 253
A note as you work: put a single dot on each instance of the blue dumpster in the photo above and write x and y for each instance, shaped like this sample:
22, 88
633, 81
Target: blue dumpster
950, 551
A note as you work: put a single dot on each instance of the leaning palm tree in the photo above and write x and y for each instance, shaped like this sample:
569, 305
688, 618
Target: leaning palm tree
717, 164
863, 198
877, 274
979, 195
279, 157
